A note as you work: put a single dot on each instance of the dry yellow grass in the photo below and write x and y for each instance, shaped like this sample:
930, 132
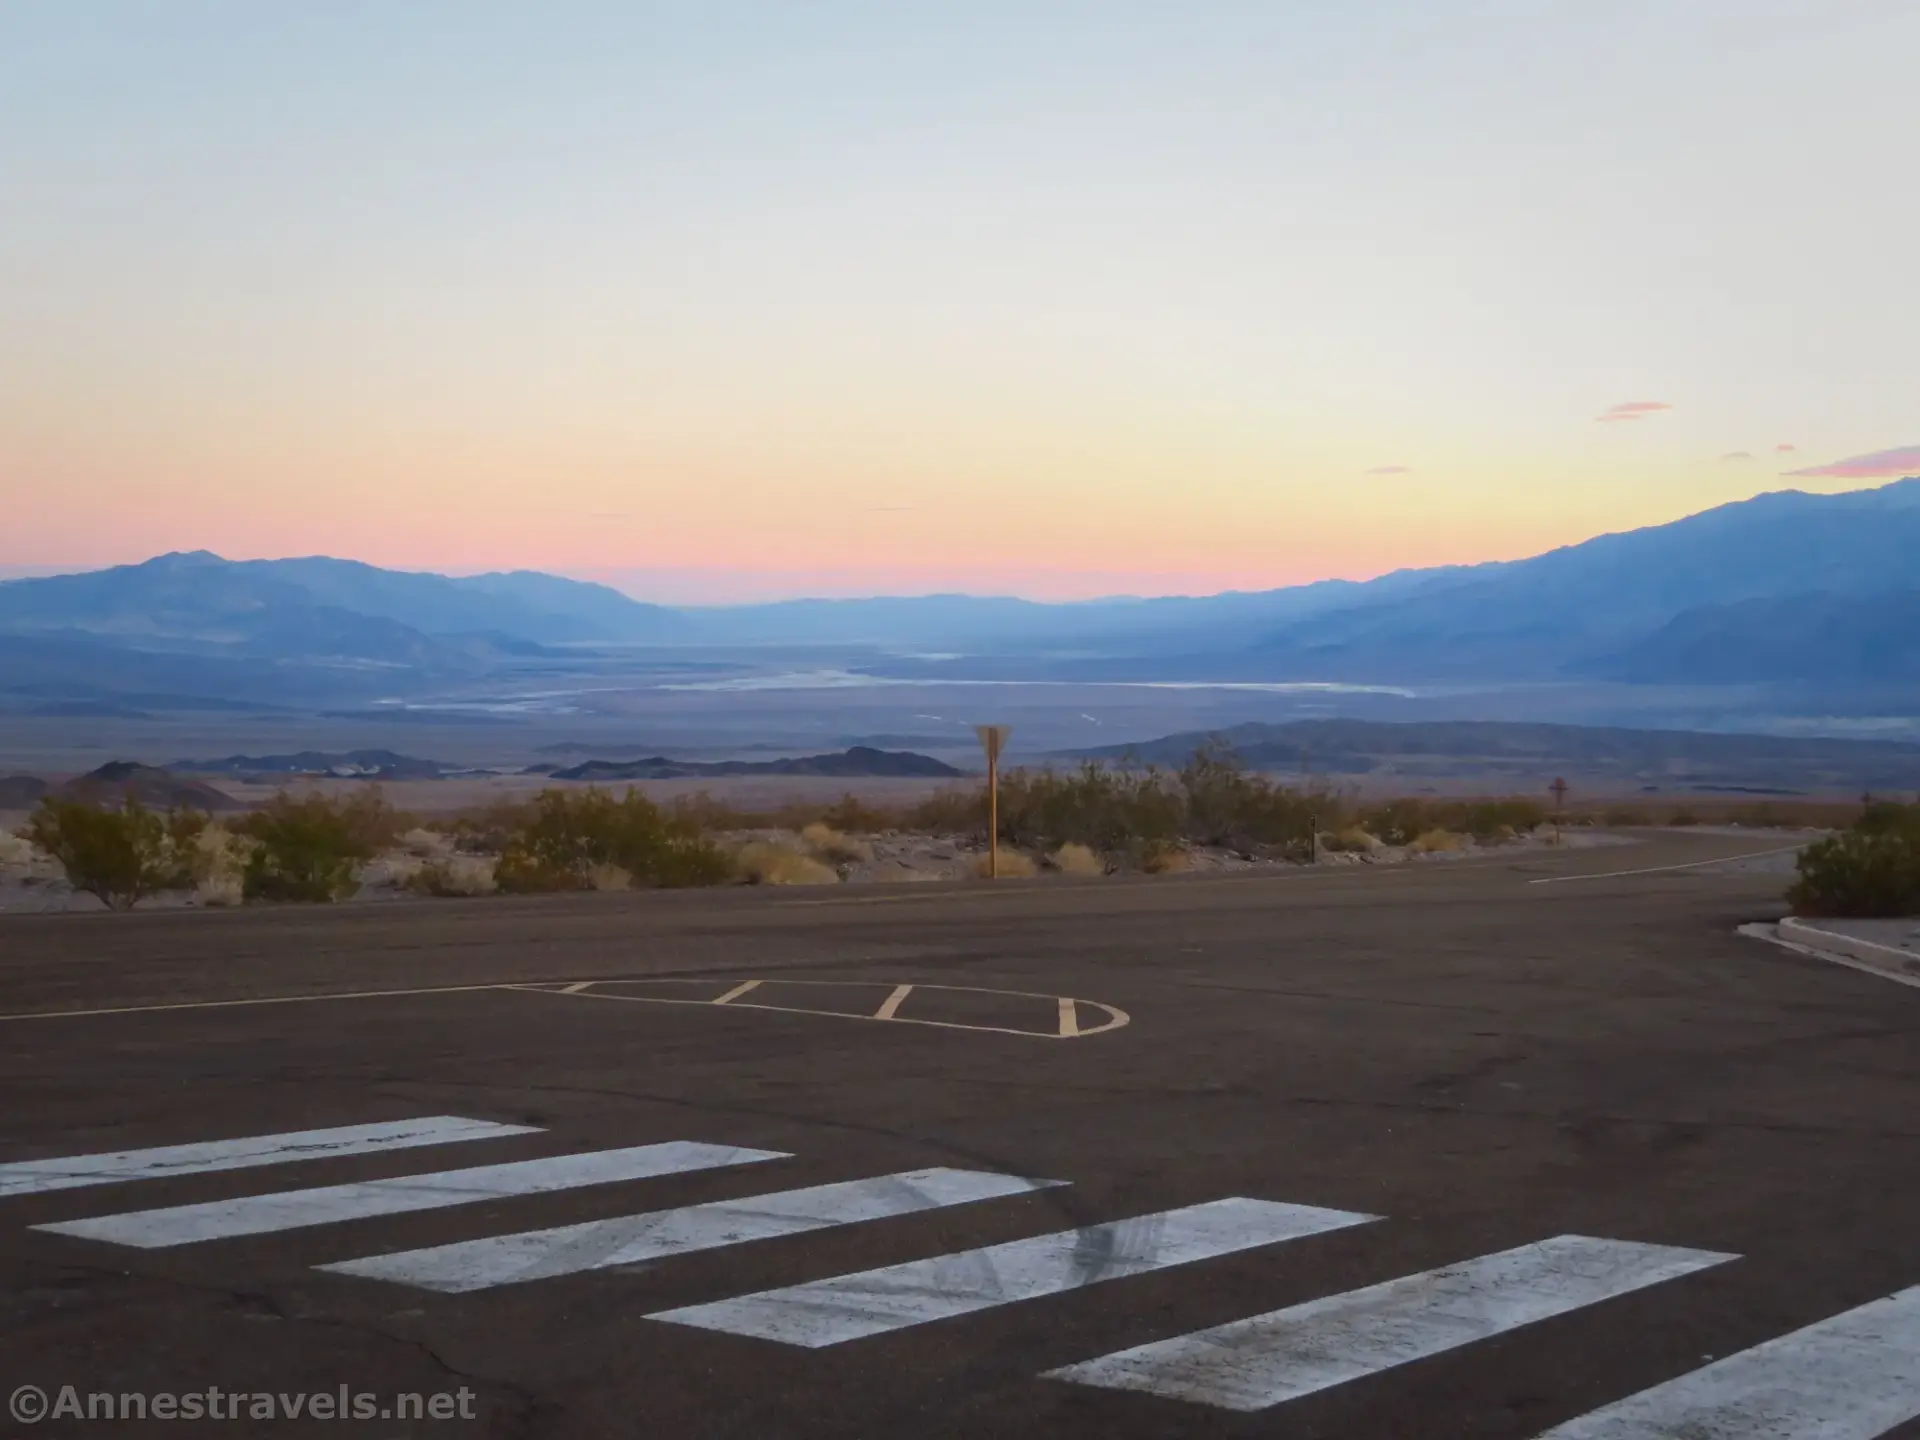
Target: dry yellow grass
1013, 866
1077, 860
827, 844
609, 877
765, 863
217, 867
424, 843
1435, 842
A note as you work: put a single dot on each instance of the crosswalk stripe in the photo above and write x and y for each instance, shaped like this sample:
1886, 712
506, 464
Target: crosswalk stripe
635, 1239
1254, 1363
848, 1307
33, 1177
1853, 1377
295, 1209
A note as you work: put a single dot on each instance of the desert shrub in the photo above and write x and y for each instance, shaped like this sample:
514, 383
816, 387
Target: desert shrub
424, 844
951, 810
1625, 815
763, 862
453, 877
1486, 819
1226, 804
1397, 822
1864, 872
853, 815
118, 856
1437, 842
1072, 859
1350, 840
1885, 817
565, 834
1683, 818
15, 849
828, 845
1014, 865
309, 848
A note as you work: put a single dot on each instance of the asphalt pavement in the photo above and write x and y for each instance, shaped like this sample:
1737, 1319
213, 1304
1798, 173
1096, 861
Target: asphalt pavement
1510, 1147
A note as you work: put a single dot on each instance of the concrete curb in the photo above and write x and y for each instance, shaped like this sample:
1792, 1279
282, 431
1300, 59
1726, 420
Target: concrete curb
1900, 964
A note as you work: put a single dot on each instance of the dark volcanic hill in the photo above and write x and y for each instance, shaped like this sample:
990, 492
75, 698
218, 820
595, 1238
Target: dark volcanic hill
158, 789
858, 763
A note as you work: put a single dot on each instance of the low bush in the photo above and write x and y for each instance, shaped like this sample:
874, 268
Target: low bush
765, 862
15, 849
119, 856
563, 835
1437, 842
1014, 865
456, 876
309, 848
1864, 872
1071, 859
829, 846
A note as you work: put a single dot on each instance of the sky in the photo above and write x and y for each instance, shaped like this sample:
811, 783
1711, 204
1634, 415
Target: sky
726, 300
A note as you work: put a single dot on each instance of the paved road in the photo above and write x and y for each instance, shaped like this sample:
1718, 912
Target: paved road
1398, 1153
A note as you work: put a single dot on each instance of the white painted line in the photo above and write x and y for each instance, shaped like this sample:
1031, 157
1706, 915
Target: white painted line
297, 1209
33, 1177
873, 1302
1251, 1364
638, 1239
1069, 1018
576, 987
308, 999
1853, 1377
890, 1006
1663, 869
744, 987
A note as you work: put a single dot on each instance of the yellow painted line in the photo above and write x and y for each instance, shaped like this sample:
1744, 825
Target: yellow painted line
1663, 869
890, 1006
736, 992
1069, 1017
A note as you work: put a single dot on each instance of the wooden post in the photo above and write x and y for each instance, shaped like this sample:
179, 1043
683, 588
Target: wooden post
1559, 788
993, 739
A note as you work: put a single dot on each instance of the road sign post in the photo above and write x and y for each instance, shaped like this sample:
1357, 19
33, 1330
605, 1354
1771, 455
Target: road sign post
1559, 789
993, 739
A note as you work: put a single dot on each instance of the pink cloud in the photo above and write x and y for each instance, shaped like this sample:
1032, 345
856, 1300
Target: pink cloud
1737, 457
1785, 449
1391, 470
1631, 410
1881, 465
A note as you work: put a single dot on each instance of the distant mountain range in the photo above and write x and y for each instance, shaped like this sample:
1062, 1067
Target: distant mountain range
1786, 588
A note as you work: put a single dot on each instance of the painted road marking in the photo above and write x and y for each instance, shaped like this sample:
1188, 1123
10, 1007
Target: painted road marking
873, 1302
1116, 1017
1663, 869
636, 1239
1069, 1026
32, 1177
1251, 1364
1853, 1377
297, 1209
